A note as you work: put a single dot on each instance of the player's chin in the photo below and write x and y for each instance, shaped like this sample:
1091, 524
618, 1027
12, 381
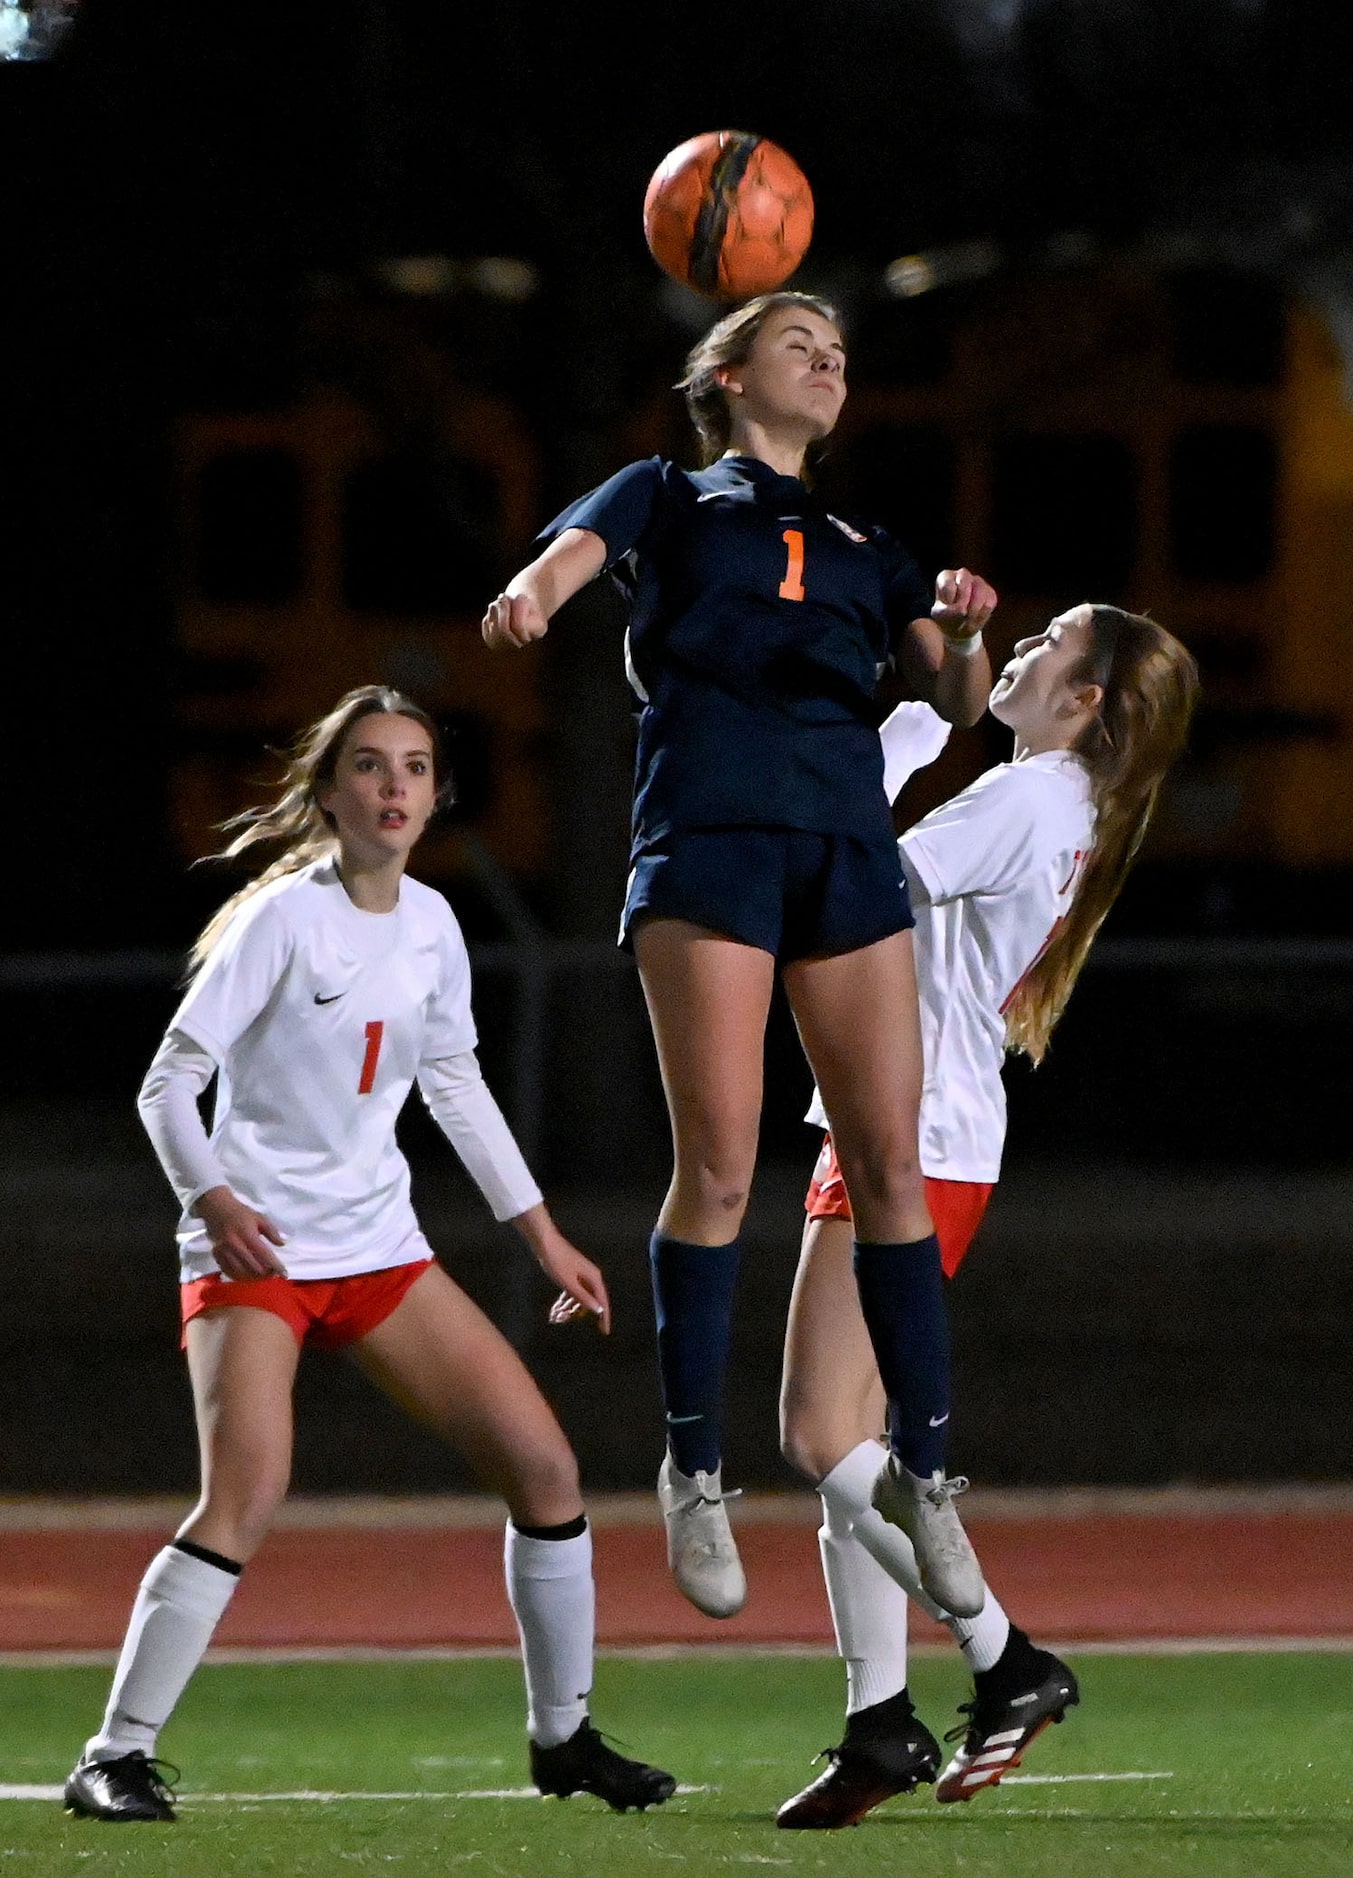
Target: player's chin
820, 424
400, 837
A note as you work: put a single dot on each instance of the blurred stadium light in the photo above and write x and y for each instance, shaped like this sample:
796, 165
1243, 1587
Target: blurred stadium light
32, 30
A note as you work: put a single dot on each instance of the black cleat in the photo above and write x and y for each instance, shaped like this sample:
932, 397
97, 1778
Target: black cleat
1000, 1727
130, 1787
585, 1764
886, 1751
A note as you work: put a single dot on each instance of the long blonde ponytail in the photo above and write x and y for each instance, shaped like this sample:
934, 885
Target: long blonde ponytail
296, 819
1150, 685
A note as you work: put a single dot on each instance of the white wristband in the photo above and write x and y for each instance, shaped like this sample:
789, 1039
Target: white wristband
967, 648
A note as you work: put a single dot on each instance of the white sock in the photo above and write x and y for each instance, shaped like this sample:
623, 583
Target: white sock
869, 1615
981, 1638
848, 1486
179, 1604
553, 1598
846, 1489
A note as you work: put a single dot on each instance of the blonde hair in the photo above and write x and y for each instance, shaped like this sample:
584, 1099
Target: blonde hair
296, 818
1150, 685
729, 342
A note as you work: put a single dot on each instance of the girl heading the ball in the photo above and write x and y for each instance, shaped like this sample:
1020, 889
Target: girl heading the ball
323, 990
762, 838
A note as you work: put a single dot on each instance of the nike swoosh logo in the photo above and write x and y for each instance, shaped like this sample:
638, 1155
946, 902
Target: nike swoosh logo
330, 1000
938, 1421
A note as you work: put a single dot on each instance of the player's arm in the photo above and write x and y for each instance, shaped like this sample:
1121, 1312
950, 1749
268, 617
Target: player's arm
593, 533
464, 1109
242, 1238
943, 658
523, 610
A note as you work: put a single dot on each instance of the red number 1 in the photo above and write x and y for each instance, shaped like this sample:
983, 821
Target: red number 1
791, 587
374, 1033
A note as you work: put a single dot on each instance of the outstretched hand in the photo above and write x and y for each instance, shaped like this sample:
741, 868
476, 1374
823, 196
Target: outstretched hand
964, 602
513, 620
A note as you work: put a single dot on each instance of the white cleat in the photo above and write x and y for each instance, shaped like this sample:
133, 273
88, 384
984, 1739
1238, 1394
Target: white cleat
700, 1546
924, 1510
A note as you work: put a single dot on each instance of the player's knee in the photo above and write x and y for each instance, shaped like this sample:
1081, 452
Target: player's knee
720, 1187
797, 1448
883, 1176
545, 1489
811, 1448
240, 1519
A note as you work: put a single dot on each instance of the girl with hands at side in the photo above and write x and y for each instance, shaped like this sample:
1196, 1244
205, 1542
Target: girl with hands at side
322, 991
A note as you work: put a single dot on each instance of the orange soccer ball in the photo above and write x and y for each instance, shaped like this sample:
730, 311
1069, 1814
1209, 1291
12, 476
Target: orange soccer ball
729, 214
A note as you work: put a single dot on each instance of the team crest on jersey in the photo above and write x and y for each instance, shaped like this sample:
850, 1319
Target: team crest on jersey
851, 534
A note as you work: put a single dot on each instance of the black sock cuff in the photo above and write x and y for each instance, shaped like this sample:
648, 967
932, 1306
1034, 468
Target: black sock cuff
890, 1716
663, 1242
207, 1557
571, 1529
896, 1245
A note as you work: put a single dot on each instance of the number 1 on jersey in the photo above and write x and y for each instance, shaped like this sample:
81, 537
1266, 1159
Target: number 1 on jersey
791, 587
374, 1032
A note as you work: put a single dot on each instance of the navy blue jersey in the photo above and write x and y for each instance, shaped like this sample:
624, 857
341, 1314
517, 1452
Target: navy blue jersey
759, 625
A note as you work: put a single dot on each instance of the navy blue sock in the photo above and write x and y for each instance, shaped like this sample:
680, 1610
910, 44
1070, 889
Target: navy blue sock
902, 1297
693, 1302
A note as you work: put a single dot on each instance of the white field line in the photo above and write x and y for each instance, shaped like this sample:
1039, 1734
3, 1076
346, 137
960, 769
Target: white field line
319, 1797
313, 1795
1065, 1780
679, 1652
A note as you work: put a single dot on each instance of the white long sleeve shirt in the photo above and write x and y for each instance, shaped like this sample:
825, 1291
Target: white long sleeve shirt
991, 873
316, 1019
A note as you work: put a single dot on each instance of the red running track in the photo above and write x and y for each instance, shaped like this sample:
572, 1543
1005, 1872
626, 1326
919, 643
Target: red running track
1103, 1577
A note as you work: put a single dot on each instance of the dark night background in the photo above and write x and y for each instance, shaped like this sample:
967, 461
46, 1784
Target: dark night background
208, 217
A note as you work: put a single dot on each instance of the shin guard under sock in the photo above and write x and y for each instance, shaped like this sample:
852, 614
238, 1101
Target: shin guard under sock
902, 1297
693, 1302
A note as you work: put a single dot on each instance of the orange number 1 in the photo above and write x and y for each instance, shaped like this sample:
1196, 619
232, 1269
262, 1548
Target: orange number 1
791, 587
374, 1033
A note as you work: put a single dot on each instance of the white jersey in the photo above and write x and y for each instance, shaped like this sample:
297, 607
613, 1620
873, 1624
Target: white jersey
319, 1016
992, 873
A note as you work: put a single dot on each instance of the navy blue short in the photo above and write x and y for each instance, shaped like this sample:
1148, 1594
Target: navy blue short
790, 893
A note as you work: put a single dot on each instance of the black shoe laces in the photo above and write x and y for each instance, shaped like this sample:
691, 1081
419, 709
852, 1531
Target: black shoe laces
607, 1744
157, 1778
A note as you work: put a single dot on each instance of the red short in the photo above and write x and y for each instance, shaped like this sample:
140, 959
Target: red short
325, 1312
956, 1206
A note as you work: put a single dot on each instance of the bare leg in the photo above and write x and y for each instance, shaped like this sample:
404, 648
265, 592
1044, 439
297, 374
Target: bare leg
831, 1398
440, 1358
859, 1020
242, 1363
708, 999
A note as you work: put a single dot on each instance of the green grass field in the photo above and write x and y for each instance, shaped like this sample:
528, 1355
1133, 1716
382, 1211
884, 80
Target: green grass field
1258, 1750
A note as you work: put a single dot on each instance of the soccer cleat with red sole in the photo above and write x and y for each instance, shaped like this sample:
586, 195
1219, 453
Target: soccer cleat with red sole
1000, 1729
867, 1769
